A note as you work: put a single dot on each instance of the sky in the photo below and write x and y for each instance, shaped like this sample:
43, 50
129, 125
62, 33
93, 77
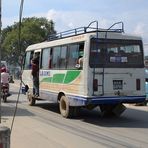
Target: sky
70, 14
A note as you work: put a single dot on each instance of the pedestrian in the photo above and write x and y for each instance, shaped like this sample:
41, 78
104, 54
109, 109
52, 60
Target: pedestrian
35, 74
5, 77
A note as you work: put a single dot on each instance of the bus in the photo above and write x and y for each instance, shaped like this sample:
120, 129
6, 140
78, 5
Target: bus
111, 72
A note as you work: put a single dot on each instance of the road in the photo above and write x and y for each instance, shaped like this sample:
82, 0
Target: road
41, 126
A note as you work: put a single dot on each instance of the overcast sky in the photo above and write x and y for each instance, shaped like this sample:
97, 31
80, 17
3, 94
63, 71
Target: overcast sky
68, 14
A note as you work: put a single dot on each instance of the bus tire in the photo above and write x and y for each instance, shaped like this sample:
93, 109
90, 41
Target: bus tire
65, 109
106, 110
31, 100
112, 110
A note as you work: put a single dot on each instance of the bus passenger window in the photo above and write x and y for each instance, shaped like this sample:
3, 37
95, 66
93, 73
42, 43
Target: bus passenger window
79, 63
72, 56
28, 57
45, 58
63, 58
56, 57
81, 54
50, 59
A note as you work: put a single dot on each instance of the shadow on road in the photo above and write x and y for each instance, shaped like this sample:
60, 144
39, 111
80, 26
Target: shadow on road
9, 111
131, 118
49, 106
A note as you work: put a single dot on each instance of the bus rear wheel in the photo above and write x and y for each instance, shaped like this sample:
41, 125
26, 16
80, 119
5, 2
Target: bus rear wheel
66, 110
64, 107
112, 110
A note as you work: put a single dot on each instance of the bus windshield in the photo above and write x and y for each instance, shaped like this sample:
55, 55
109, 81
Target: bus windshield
116, 53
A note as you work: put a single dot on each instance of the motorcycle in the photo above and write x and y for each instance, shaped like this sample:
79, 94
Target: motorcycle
5, 91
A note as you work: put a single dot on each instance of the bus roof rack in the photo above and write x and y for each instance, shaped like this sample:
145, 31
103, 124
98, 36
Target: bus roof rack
88, 29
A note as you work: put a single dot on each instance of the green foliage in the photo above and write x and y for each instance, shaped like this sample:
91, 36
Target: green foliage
33, 30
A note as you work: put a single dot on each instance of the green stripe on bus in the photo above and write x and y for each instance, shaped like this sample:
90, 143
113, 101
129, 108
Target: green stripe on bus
47, 79
61, 78
70, 76
58, 78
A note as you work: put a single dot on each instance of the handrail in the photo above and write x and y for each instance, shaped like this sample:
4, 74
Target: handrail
122, 28
97, 26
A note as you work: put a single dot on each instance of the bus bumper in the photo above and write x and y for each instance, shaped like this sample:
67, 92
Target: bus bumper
98, 100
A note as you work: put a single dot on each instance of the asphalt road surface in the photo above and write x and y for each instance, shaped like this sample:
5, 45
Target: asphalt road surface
41, 126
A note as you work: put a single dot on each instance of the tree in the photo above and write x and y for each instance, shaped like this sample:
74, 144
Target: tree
33, 30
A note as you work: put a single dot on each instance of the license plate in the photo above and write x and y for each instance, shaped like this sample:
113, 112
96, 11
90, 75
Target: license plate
117, 84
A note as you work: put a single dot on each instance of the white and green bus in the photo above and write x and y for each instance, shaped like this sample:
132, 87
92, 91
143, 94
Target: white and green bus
111, 73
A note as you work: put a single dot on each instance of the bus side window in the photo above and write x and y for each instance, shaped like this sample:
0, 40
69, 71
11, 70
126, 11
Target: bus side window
63, 57
80, 56
45, 58
56, 57
72, 56
27, 62
50, 59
